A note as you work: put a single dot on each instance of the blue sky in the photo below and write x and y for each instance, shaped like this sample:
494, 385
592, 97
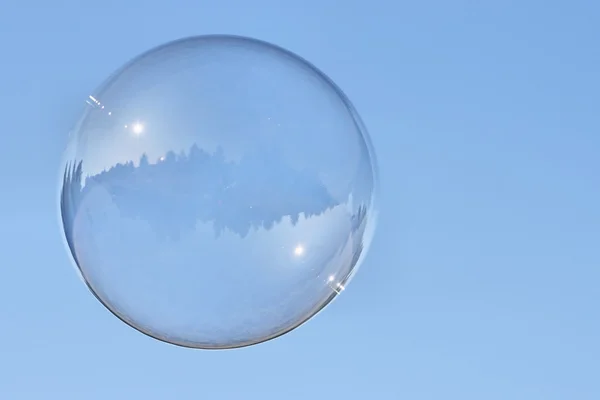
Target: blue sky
481, 282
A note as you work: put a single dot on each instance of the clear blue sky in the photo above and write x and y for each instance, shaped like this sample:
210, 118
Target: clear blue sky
482, 281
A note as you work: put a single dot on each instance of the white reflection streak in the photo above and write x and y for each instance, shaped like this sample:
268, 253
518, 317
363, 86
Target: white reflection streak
338, 287
96, 103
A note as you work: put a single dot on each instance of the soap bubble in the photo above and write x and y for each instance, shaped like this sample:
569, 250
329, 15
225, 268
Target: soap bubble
217, 192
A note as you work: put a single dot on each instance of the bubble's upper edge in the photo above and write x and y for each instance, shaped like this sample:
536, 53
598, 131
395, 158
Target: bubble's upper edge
191, 39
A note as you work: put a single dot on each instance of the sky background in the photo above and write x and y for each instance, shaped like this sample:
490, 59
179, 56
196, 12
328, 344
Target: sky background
482, 280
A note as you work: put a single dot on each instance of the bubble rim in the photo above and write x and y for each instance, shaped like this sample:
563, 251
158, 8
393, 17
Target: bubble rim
373, 212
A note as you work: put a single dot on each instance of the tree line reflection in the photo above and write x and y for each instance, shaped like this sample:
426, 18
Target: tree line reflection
178, 190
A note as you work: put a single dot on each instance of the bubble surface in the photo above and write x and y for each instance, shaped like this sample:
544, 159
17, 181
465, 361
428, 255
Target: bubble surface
217, 192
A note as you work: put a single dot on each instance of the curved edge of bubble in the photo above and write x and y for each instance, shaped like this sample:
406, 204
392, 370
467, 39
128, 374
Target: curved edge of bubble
66, 155
373, 208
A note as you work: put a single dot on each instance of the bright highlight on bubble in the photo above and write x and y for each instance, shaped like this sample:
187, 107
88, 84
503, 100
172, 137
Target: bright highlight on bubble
218, 192
299, 250
138, 128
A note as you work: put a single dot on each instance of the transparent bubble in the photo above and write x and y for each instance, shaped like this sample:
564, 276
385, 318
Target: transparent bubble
218, 192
